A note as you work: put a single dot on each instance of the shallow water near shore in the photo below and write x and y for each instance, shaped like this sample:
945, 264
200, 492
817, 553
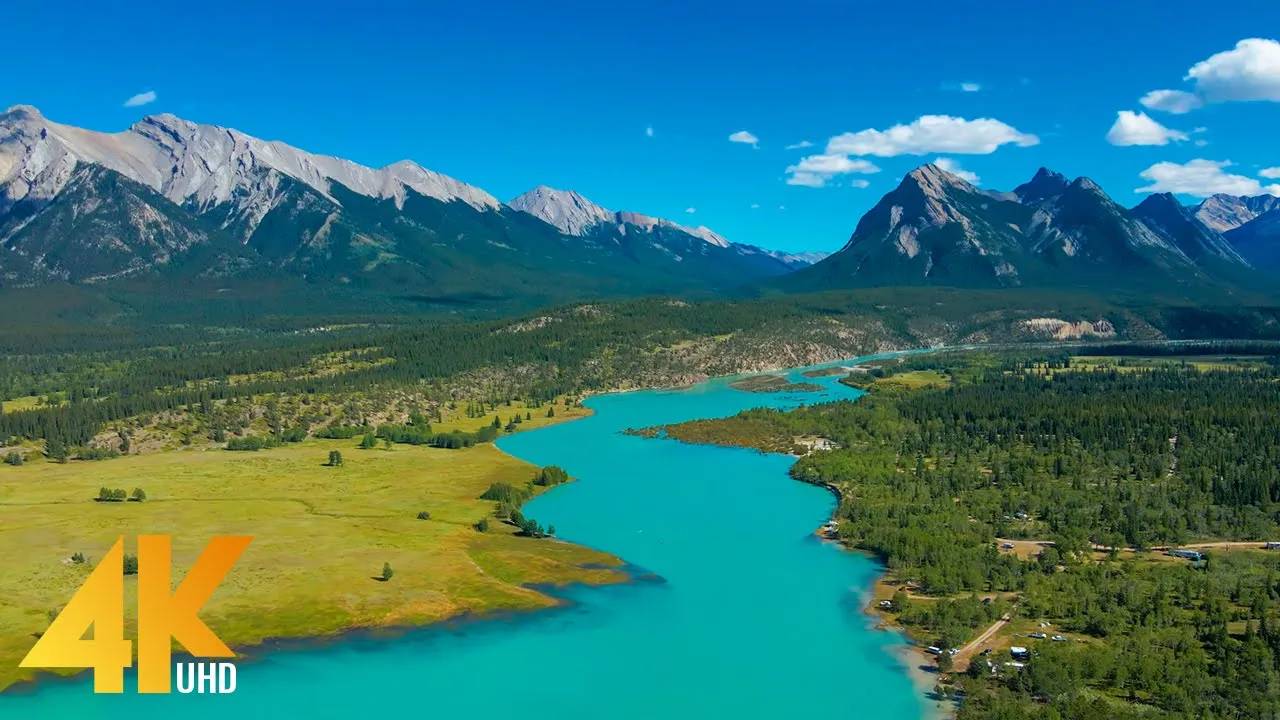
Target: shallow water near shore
747, 614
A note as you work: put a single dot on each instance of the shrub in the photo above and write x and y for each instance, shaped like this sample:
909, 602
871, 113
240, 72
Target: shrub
551, 475
505, 493
252, 443
341, 432
106, 494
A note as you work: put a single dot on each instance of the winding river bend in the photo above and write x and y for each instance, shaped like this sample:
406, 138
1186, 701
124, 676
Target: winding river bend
741, 611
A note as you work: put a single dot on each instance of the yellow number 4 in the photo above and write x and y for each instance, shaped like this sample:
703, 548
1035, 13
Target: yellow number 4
99, 603
162, 617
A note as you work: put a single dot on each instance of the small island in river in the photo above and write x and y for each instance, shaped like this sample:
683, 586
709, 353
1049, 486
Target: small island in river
772, 384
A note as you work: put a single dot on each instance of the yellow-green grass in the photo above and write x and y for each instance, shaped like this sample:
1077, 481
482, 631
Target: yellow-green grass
456, 419
915, 380
26, 402
321, 535
1203, 363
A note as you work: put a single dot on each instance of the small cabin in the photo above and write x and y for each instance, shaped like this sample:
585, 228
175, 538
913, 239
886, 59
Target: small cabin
1193, 555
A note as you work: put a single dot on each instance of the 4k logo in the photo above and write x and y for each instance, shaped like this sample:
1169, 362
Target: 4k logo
163, 616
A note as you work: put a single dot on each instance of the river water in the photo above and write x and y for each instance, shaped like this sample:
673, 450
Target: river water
738, 610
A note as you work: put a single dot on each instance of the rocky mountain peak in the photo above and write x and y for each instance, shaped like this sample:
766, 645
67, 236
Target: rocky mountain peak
206, 165
1163, 203
709, 235
1044, 185
573, 214
1228, 212
934, 181
23, 110
1085, 184
566, 210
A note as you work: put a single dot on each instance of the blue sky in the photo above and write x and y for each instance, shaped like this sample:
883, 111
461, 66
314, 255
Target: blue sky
633, 104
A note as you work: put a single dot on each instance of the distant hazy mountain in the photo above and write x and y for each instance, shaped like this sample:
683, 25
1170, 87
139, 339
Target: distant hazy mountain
1250, 224
575, 215
1259, 241
169, 197
1228, 212
935, 228
1181, 228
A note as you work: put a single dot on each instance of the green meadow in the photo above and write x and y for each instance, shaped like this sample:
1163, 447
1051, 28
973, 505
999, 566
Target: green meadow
321, 537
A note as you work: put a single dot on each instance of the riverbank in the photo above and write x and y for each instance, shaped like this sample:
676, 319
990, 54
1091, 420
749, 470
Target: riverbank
918, 664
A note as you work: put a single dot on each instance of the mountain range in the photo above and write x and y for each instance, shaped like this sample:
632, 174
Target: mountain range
936, 228
170, 200
169, 205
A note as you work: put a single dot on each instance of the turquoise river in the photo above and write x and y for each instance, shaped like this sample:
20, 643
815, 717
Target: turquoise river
738, 610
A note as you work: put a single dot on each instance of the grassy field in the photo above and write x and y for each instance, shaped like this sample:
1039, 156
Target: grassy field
321, 534
1203, 363
915, 380
18, 404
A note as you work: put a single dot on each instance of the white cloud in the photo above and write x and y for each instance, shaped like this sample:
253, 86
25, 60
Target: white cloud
1270, 173
816, 170
954, 168
800, 145
648, 132
691, 210
859, 183
755, 206
970, 87
142, 98
805, 179
1177, 102
930, 134
1137, 128
1201, 178
1250, 71
744, 137
834, 165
